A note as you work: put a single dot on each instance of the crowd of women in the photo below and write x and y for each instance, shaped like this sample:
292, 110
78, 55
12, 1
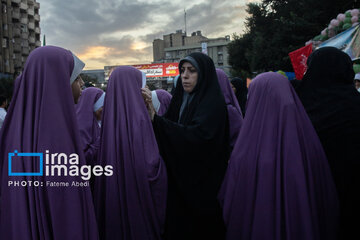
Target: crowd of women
197, 164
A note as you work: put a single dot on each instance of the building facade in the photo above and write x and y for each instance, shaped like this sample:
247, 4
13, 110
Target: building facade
175, 46
19, 33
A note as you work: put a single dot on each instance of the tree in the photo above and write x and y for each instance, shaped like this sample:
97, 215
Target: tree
89, 80
276, 27
6, 87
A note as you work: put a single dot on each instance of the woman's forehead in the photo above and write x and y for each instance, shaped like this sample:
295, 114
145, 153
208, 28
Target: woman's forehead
187, 64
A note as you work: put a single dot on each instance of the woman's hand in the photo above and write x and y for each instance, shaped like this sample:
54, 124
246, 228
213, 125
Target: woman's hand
146, 93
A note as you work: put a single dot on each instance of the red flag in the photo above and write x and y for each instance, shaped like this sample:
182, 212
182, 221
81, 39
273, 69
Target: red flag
298, 59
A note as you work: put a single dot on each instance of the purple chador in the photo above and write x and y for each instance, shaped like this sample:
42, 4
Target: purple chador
91, 100
278, 183
41, 117
161, 100
131, 203
233, 108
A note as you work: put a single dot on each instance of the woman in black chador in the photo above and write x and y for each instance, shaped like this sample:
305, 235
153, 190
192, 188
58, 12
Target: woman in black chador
241, 92
333, 105
193, 137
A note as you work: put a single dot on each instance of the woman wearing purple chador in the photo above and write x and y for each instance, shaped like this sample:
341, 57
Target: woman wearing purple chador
89, 111
131, 203
278, 183
233, 108
161, 100
42, 118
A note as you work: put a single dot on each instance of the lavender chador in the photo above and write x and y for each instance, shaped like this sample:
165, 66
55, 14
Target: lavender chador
278, 183
233, 108
131, 203
161, 100
91, 100
41, 120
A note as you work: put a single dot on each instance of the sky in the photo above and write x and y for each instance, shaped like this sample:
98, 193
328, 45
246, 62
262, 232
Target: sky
121, 32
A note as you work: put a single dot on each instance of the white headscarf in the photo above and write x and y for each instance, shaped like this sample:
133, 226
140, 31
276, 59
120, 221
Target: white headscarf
357, 76
99, 103
78, 67
143, 80
155, 101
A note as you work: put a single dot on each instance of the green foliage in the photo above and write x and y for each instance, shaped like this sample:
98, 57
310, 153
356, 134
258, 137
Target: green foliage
274, 28
88, 80
6, 87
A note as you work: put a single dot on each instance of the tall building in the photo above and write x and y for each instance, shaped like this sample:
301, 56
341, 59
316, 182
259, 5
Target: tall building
19, 33
176, 46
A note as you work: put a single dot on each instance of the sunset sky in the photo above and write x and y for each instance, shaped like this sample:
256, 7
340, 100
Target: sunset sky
121, 32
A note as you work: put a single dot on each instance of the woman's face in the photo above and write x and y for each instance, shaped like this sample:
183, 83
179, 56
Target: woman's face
76, 88
98, 114
233, 87
189, 77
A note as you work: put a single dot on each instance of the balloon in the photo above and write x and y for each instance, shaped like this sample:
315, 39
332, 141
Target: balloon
354, 24
331, 33
335, 22
355, 12
347, 20
341, 17
330, 26
346, 26
356, 68
354, 19
317, 38
348, 14
323, 32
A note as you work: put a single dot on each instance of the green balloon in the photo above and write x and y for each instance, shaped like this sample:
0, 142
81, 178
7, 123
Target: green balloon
348, 14
323, 38
317, 38
356, 68
346, 26
347, 20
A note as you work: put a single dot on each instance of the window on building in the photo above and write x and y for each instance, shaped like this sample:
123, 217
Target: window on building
220, 49
220, 57
4, 8
5, 27
24, 28
171, 41
4, 43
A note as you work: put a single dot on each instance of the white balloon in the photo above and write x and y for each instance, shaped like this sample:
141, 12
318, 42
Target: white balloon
341, 17
354, 19
335, 22
355, 12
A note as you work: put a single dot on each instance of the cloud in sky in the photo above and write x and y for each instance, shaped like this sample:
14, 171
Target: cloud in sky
119, 32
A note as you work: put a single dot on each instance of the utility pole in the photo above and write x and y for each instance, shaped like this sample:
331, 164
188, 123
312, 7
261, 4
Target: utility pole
185, 20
